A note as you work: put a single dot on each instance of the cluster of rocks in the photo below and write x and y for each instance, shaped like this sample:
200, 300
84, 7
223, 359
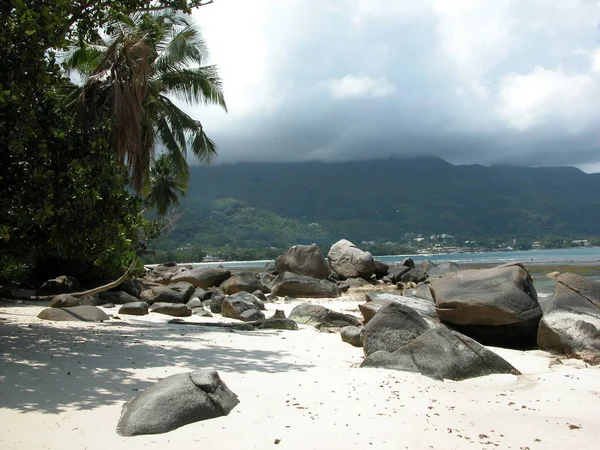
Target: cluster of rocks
438, 327
461, 309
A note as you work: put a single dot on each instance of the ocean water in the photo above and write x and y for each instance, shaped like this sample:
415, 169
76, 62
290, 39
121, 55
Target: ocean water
583, 256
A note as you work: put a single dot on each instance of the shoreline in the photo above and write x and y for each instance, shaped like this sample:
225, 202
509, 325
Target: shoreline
493, 258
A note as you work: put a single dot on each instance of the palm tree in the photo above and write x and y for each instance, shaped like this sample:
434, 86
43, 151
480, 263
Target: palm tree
165, 184
128, 79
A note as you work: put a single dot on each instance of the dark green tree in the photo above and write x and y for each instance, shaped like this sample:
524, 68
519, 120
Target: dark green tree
63, 206
166, 184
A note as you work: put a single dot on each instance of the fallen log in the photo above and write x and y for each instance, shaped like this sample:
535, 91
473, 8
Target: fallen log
217, 324
83, 294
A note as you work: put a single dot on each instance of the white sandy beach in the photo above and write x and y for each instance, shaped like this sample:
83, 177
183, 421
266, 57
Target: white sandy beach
62, 386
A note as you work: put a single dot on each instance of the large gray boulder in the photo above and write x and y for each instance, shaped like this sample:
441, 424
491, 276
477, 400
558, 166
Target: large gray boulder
295, 285
275, 323
203, 277
176, 401
425, 308
63, 284
117, 297
434, 269
496, 306
413, 276
381, 269
442, 354
133, 287
348, 261
163, 272
242, 282
318, 316
171, 309
174, 293
85, 313
396, 271
394, 326
134, 309
571, 320
65, 301
352, 335
305, 260
243, 306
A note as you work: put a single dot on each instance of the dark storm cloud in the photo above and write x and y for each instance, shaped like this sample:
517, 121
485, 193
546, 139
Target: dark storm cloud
473, 82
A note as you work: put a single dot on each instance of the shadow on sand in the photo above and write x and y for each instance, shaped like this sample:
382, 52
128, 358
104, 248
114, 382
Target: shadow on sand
47, 368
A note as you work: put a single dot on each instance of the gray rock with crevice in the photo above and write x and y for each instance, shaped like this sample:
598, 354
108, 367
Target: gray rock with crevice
442, 354
176, 401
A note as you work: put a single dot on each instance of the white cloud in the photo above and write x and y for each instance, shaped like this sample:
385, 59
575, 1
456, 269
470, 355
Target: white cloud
596, 61
566, 100
469, 80
361, 86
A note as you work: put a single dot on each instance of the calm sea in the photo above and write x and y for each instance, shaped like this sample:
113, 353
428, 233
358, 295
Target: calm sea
585, 261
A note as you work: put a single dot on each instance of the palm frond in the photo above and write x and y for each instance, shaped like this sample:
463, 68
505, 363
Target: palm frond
202, 85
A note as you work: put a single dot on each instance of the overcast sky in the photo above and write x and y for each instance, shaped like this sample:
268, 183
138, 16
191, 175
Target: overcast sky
472, 81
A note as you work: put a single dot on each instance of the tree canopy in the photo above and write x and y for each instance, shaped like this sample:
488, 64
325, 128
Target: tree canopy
64, 207
130, 76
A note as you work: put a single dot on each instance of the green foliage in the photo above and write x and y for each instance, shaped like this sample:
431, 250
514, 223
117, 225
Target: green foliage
166, 184
128, 75
63, 206
285, 204
382, 200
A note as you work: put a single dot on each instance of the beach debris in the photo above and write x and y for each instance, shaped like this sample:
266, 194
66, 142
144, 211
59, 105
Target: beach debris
441, 354
295, 285
496, 306
134, 309
90, 292
352, 335
320, 317
176, 401
349, 261
305, 260
571, 320
84, 313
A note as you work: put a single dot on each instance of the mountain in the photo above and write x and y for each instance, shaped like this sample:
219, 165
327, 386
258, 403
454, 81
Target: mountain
384, 199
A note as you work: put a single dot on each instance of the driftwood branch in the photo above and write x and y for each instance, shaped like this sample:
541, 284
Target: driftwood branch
217, 324
106, 287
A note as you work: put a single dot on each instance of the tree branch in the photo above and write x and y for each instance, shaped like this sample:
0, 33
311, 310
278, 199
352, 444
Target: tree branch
106, 287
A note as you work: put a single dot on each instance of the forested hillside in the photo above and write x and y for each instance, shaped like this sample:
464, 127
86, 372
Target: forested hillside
276, 205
